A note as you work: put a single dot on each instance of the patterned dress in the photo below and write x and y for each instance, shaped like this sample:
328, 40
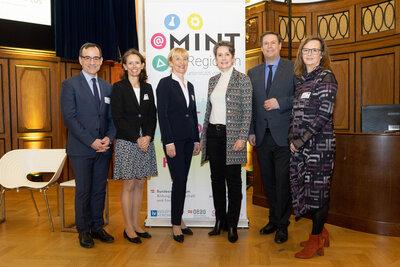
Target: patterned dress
312, 133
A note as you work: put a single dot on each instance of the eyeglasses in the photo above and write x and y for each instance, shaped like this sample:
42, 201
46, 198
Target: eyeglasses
314, 51
95, 59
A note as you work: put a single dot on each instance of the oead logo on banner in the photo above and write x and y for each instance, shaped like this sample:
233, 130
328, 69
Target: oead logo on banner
153, 213
158, 41
172, 22
160, 63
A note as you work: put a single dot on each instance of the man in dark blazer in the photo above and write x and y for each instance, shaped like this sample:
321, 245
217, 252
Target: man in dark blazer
85, 109
273, 88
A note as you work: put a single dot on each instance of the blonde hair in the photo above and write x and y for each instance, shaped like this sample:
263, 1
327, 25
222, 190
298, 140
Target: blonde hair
325, 63
177, 51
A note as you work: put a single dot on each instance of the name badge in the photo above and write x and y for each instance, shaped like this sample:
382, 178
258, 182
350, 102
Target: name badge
107, 100
145, 97
193, 97
306, 95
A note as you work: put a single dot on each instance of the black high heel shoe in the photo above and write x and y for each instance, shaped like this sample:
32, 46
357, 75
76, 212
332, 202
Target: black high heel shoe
178, 238
144, 234
135, 240
187, 231
232, 234
219, 225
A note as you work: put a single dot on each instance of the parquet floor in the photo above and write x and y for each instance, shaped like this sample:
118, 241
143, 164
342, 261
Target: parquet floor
26, 240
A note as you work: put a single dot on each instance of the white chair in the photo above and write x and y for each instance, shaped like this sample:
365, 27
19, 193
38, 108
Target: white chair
17, 164
70, 228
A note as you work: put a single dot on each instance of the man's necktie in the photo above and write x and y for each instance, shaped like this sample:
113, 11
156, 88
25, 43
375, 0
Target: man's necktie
96, 92
269, 80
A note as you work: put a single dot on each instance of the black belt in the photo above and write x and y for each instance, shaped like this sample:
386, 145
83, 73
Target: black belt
218, 127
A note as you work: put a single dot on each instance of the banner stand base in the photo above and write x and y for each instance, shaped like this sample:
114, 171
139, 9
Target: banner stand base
166, 222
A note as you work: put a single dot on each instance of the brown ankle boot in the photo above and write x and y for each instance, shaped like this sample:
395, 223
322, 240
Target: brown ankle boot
314, 245
325, 238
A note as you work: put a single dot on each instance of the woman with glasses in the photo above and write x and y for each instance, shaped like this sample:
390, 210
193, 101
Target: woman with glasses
312, 141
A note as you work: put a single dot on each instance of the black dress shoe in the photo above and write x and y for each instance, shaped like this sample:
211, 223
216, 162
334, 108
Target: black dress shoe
179, 238
281, 235
219, 225
135, 240
268, 229
232, 234
143, 235
187, 231
86, 240
103, 236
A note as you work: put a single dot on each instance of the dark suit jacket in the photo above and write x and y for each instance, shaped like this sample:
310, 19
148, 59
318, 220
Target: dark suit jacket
176, 120
282, 88
83, 118
128, 116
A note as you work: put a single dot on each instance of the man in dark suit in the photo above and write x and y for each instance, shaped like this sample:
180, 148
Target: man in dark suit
273, 88
85, 109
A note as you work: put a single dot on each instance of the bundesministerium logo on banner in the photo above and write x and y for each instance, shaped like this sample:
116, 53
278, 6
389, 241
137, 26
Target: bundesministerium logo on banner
197, 32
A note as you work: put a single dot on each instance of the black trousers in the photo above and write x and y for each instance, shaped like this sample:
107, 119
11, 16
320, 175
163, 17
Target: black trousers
179, 169
274, 163
221, 174
90, 190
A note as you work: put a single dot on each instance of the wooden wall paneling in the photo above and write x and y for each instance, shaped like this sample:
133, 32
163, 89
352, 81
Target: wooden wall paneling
34, 101
379, 13
63, 130
364, 192
343, 68
73, 69
105, 72
253, 58
116, 72
376, 79
397, 76
3, 149
43, 142
259, 196
336, 21
5, 131
300, 29
33, 92
255, 21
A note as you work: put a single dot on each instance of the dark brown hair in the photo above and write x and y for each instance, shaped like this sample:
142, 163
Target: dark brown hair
325, 63
270, 32
89, 45
143, 74
230, 46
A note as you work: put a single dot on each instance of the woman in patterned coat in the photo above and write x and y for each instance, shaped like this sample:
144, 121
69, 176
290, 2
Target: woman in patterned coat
224, 135
312, 141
